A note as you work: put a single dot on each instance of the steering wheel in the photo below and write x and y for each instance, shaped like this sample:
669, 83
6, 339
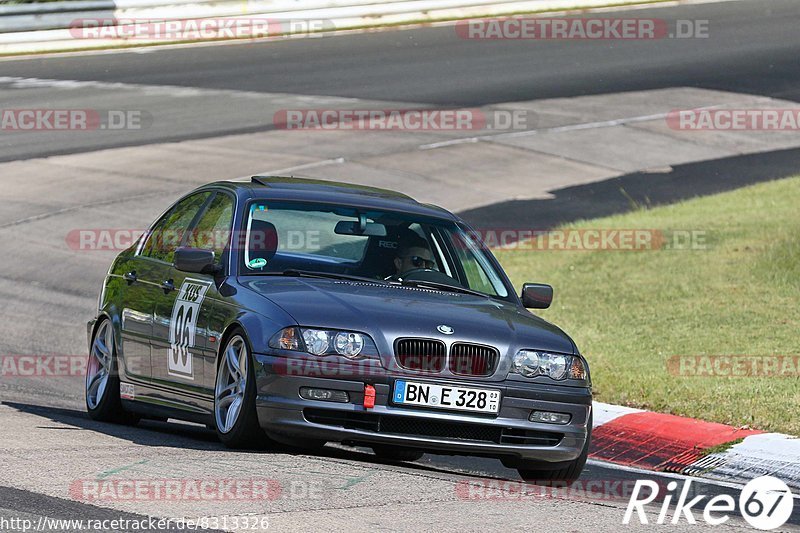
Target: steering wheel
404, 275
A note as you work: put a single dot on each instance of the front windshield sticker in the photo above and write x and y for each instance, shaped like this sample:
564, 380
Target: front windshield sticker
258, 262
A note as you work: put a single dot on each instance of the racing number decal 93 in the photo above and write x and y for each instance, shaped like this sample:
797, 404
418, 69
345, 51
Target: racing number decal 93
183, 326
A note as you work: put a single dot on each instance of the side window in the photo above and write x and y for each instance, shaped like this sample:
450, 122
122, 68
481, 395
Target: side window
479, 272
168, 234
476, 277
213, 230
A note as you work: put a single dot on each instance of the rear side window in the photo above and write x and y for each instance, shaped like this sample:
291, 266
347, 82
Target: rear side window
170, 231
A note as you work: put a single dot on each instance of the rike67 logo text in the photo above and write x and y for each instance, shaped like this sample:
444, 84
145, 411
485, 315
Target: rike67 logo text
766, 503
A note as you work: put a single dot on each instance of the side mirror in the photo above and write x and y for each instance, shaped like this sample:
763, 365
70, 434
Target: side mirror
195, 260
537, 295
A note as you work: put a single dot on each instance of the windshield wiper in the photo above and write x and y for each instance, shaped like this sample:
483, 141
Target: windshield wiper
409, 283
327, 275
442, 286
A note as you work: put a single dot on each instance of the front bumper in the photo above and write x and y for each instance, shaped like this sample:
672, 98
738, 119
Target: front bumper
508, 435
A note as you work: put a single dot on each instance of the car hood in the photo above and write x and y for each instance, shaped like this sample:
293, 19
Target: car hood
387, 313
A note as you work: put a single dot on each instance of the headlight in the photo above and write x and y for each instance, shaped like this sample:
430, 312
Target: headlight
316, 341
530, 364
321, 341
348, 344
526, 363
554, 366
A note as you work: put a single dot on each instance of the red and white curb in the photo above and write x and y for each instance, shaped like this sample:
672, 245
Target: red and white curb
669, 443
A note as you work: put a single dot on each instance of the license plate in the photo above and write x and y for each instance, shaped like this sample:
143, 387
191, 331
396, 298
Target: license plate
446, 397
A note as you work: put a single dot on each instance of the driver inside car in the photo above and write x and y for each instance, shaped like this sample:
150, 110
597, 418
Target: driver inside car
413, 254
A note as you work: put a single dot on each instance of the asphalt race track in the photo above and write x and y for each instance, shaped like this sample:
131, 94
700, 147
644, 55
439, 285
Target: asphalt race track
751, 49
594, 124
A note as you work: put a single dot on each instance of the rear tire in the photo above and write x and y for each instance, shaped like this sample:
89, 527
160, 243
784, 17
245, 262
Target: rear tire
235, 418
392, 453
102, 379
534, 473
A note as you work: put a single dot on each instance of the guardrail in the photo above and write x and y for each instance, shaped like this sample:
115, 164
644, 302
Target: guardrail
51, 26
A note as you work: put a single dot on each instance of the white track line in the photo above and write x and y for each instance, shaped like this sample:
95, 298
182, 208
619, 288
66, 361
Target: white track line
16, 82
314, 164
606, 412
576, 127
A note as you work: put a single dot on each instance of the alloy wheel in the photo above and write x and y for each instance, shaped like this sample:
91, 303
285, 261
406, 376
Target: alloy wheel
99, 367
231, 384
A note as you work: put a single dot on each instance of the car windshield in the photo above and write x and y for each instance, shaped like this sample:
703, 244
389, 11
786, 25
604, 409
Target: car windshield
295, 238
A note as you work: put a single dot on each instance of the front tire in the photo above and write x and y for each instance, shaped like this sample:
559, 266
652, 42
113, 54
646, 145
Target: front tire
235, 415
102, 379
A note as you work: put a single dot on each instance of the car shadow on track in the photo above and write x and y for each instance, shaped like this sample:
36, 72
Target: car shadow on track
188, 436
146, 433
635, 190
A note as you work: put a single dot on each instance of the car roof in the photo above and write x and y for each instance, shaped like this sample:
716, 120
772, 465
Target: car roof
294, 188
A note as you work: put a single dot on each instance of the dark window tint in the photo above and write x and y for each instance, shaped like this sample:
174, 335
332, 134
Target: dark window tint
170, 231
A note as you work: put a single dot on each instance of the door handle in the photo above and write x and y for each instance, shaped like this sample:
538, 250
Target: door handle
130, 277
168, 286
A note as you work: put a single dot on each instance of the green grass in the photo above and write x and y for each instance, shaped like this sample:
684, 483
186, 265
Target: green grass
719, 448
630, 311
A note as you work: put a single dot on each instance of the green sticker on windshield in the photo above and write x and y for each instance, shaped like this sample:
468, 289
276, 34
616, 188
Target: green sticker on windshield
259, 262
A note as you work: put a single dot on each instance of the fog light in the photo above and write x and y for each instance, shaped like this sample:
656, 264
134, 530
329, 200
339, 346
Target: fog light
550, 418
324, 395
